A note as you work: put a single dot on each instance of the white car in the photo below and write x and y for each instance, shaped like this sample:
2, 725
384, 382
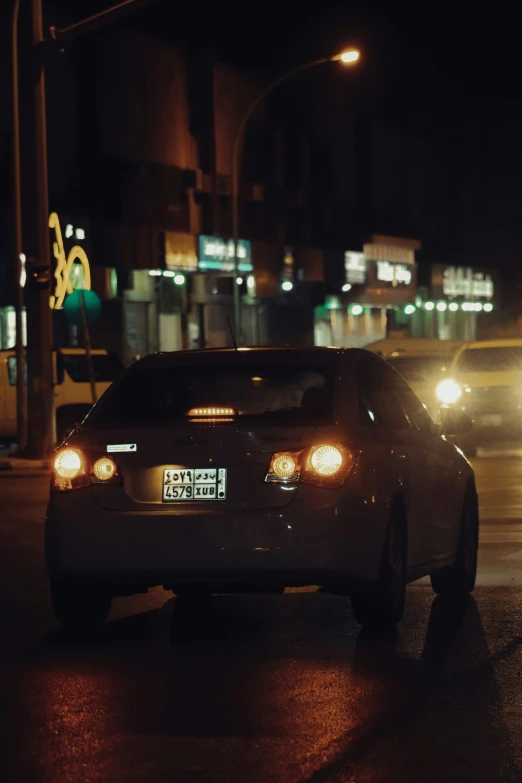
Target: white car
72, 389
485, 381
255, 469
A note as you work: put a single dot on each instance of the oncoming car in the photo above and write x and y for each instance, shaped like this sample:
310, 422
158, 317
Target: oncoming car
485, 381
249, 470
422, 362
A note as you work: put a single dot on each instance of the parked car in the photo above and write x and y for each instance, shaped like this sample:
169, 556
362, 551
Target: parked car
72, 390
256, 469
485, 381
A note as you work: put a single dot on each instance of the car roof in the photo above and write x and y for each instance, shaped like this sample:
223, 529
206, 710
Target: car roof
243, 355
66, 350
414, 346
507, 343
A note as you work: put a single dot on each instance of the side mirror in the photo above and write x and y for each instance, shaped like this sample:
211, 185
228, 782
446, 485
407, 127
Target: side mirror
455, 422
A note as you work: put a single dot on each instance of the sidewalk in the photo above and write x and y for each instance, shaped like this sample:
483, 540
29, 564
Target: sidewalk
13, 467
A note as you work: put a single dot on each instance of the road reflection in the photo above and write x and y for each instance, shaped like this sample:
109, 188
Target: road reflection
257, 688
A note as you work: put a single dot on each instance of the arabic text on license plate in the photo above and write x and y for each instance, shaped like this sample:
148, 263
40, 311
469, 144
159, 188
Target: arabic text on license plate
194, 484
492, 420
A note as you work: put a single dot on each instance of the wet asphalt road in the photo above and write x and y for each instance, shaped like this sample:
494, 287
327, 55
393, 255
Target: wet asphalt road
264, 688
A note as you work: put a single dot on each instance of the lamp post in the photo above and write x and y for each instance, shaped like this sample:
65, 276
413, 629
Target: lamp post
348, 57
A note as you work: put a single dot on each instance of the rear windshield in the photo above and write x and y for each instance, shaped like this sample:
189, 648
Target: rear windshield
106, 367
416, 369
490, 359
166, 394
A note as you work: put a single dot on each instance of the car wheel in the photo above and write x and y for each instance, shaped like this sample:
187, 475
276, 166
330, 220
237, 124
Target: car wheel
459, 579
382, 605
80, 605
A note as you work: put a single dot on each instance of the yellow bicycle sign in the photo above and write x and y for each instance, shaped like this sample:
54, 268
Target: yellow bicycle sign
68, 274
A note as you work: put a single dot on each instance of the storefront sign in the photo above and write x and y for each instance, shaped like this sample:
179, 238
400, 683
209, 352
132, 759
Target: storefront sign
395, 254
288, 272
396, 274
217, 254
355, 267
464, 281
72, 271
180, 252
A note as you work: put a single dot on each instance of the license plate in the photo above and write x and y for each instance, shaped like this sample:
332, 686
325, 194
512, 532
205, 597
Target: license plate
493, 420
194, 485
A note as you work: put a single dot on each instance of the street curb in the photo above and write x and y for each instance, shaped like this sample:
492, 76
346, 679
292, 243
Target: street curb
12, 464
20, 474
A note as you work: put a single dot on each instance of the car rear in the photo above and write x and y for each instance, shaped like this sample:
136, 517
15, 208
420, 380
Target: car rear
207, 467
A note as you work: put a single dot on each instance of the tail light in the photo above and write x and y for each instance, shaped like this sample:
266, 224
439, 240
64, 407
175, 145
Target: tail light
69, 470
285, 467
329, 465
74, 469
104, 471
324, 465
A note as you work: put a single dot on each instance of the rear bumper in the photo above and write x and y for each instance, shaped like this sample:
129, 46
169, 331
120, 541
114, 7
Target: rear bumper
303, 543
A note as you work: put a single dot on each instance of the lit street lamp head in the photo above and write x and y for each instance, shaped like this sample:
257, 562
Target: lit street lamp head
348, 57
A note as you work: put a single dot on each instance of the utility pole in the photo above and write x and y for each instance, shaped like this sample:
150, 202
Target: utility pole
40, 407
19, 266
40, 422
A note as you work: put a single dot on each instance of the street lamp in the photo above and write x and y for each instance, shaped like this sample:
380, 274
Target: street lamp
347, 57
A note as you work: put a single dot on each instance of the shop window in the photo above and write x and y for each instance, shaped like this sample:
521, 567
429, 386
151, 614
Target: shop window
11, 371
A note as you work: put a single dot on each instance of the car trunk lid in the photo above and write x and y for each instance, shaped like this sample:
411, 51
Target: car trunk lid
189, 455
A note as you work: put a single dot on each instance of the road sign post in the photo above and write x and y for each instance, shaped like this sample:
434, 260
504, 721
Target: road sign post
83, 308
87, 343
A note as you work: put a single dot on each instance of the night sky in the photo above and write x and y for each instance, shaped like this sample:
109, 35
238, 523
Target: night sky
461, 64
439, 68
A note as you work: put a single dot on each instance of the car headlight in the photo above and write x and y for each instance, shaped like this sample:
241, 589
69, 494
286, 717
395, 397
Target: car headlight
448, 391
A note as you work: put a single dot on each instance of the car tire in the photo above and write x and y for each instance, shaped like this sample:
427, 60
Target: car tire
459, 579
80, 605
382, 605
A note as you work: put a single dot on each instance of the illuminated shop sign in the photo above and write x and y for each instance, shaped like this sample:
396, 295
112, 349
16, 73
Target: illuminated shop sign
464, 281
288, 272
72, 270
355, 267
396, 254
217, 254
180, 252
396, 274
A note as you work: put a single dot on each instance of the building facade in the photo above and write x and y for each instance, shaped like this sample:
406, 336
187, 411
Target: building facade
140, 135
